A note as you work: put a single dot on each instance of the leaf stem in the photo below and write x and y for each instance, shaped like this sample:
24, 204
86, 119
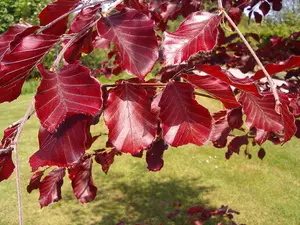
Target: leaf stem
15, 147
70, 42
270, 80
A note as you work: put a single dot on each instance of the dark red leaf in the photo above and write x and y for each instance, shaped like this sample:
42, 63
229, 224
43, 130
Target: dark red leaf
276, 5
54, 10
131, 125
154, 105
220, 132
261, 153
64, 147
236, 143
17, 64
82, 181
105, 159
292, 62
245, 84
154, 156
235, 14
50, 187
297, 134
9, 136
288, 119
261, 136
260, 112
265, 8
133, 34
139, 5
101, 43
62, 94
235, 118
215, 87
258, 17
189, 6
183, 119
35, 181
6, 165
198, 32
12, 37
82, 21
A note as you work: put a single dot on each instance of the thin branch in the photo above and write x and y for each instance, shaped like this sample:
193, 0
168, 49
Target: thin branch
70, 42
15, 147
137, 84
68, 13
270, 80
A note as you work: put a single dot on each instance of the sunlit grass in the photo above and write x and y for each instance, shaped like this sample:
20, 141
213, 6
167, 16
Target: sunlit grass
265, 192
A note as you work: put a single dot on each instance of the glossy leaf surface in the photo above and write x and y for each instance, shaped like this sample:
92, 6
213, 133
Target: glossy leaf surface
217, 88
64, 147
12, 37
82, 181
183, 120
17, 64
131, 125
197, 33
132, 32
50, 187
6, 165
53, 11
62, 94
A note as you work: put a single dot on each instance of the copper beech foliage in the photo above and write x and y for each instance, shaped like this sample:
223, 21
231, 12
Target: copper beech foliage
144, 114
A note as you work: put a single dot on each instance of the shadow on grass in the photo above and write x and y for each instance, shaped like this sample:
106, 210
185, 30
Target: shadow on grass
144, 202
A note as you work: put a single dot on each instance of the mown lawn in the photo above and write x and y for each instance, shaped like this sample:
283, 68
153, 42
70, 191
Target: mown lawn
265, 192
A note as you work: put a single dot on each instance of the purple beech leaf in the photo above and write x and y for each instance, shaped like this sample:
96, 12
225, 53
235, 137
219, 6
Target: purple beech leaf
217, 88
50, 187
183, 120
260, 112
197, 33
62, 94
261, 136
6, 165
220, 129
237, 142
54, 10
154, 155
82, 181
288, 119
13, 36
245, 84
64, 147
131, 125
261, 153
35, 181
101, 43
9, 136
133, 34
105, 159
235, 118
273, 68
82, 20
16, 65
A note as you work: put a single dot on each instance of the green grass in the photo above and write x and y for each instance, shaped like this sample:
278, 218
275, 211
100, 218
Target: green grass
265, 192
